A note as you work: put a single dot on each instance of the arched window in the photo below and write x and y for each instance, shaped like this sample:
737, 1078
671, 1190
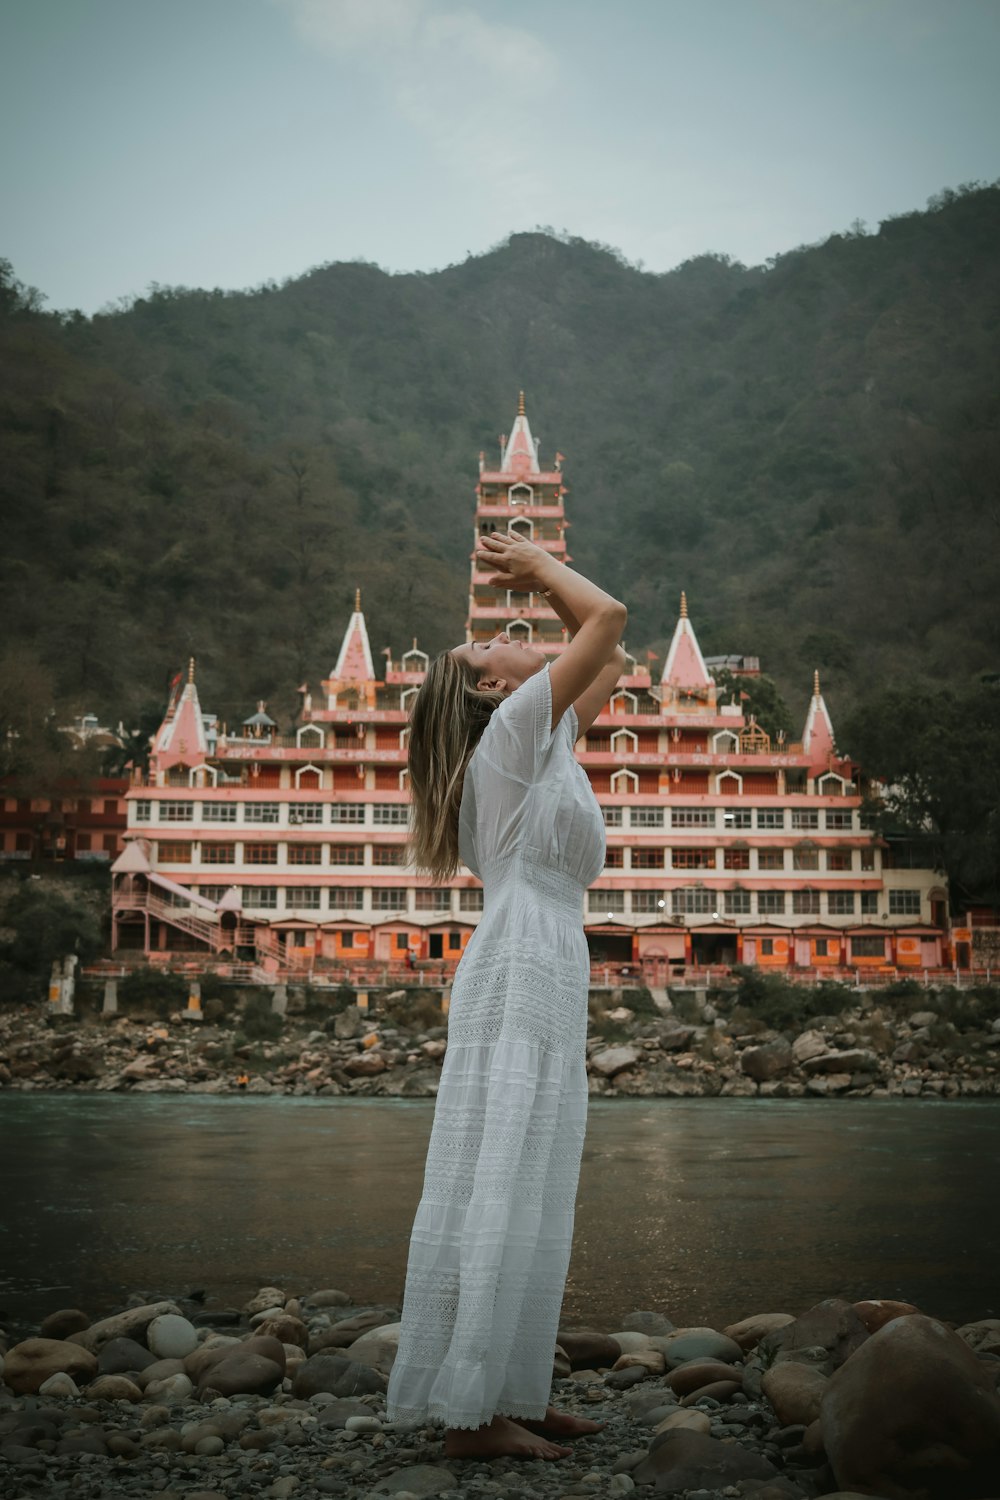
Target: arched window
624, 782
523, 526
727, 783
310, 734
520, 630
725, 742
520, 494
624, 742
415, 661
624, 702
308, 778
406, 698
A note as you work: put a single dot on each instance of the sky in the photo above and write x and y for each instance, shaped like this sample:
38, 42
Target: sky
224, 143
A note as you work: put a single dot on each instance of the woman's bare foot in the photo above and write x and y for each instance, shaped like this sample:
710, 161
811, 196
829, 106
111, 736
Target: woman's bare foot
501, 1438
561, 1424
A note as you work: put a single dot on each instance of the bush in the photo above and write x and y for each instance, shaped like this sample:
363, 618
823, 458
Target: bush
640, 1002
45, 923
417, 1010
153, 990
260, 1022
781, 1005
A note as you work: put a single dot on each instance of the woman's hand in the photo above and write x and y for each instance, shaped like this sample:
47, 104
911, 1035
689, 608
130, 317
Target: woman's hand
514, 560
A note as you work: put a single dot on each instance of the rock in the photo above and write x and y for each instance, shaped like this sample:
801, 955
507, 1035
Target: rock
612, 1060
716, 1390
769, 1060
377, 1348
286, 1329
795, 1392
328, 1297
913, 1412
120, 1355
700, 1343
829, 1083
171, 1336
877, 1313
700, 1372
337, 1412
59, 1325
623, 1380
419, 1480
265, 1297
243, 1373
923, 1018
365, 1064
689, 1421
29, 1364
831, 1325
749, 1331
212, 1351
59, 1384
348, 1330
160, 1369
587, 1349
982, 1336
675, 1038
630, 1342
652, 1324
113, 1388
560, 1364
348, 1023
738, 1088
855, 1060
339, 1376
170, 1390
809, 1044
124, 1325
650, 1360
683, 1460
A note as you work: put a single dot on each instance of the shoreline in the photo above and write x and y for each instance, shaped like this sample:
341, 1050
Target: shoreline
285, 1397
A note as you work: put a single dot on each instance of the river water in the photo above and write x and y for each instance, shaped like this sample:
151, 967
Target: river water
706, 1210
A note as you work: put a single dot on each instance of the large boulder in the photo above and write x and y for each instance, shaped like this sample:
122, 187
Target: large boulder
171, 1337
912, 1415
699, 1343
831, 1326
680, 1459
875, 1313
130, 1324
348, 1330
587, 1349
795, 1391
613, 1060
339, 1376
59, 1325
697, 1373
28, 1365
377, 1348
748, 1332
124, 1356
243, 1367
770, 1060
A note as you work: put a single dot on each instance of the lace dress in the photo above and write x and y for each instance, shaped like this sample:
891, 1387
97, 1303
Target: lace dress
491, 1240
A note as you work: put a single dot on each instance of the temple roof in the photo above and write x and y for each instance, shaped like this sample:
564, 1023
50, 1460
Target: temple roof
181, 736
354, 664
520, 455
685, 666
817, 737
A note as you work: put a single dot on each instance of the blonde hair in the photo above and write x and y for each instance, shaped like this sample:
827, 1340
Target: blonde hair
446, 724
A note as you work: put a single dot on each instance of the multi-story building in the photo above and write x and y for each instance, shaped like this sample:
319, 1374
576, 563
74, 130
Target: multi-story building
723, 846
75, 820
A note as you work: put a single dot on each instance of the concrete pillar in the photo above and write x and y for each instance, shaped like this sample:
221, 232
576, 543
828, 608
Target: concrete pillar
110, 1006
361, 999
55, 986
279, 1000
193, 1012
445, 1001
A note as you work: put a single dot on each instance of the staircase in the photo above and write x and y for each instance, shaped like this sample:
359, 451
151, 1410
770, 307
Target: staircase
179, 916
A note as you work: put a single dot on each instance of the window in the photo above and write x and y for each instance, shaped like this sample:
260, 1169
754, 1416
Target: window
218, 854
262, 812
212, 892
805, 903
603, 903
692, 899
303, 898
110, 808
454, 941
176, 812
647, 901
347, 939
346, 898
614, 859
647, 859
904, 903
612, 817
805, 857
82, 842
305, 854
389, 900
691, 817
737, 903
143, 811
869, 903
347, 854
693, 859
770, 859
868, 947
838, 859
174, 854
260, 897
218, 812
396, 814
737, 859
109, 842
868, 858
470, 900
736, 817
400, 941
438, 899
840, 903
260, 854
838, 818
387, 854
822, 947
347, 812
771, 903
770, 817
767, 947
805, 817
646, 817
305, 812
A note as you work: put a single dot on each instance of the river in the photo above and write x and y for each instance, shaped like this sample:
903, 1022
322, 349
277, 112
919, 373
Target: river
706, 1210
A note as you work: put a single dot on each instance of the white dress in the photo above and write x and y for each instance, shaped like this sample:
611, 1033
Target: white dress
491, 1240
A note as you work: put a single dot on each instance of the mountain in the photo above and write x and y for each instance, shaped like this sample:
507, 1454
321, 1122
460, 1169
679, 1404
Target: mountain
810, 448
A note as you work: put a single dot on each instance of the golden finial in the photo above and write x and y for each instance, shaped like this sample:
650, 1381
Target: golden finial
816, 684
414, 646
357, 601
520, 403
684, 605
191, 669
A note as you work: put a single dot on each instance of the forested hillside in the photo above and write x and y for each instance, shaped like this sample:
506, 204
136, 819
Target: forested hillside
809, 448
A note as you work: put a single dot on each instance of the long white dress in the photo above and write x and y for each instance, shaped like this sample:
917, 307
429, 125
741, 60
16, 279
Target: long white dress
491, 1240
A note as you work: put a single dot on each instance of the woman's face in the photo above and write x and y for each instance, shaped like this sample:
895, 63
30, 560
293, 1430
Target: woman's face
502, 660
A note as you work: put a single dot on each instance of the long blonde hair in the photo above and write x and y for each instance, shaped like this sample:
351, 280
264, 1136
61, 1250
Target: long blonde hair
446, 724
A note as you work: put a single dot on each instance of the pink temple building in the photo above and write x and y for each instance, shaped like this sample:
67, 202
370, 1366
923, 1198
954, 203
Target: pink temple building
285, 854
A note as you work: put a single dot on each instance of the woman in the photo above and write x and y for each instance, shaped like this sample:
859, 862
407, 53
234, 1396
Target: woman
495, 785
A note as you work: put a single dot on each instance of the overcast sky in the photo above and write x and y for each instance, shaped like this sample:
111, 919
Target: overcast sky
228, 142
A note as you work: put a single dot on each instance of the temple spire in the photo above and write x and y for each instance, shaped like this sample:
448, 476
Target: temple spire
684, 669
817, 737
520, 453
520, 403
354, 664
181, 737
684, 605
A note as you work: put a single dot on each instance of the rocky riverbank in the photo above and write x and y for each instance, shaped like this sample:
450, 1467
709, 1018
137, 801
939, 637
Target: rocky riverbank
284, 1398
918, 1044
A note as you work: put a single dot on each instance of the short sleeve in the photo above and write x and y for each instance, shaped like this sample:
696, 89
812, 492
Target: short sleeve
521, 728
